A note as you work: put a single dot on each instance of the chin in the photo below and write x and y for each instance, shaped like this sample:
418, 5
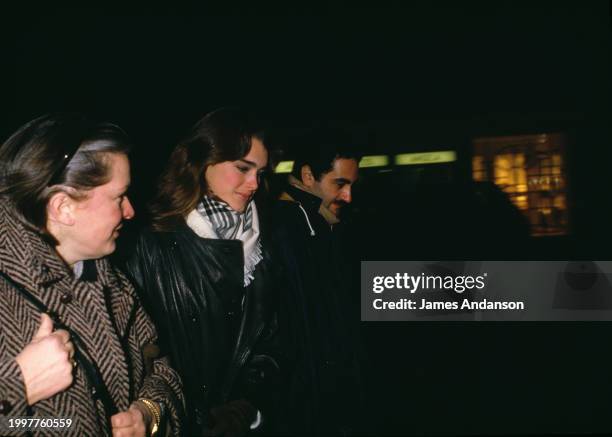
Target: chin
109, 249
238, 207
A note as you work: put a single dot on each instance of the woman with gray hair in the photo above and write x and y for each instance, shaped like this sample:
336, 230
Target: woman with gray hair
73, 331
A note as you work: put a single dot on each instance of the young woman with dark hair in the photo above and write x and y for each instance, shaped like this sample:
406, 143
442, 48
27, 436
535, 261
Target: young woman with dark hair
204, 270
73, 332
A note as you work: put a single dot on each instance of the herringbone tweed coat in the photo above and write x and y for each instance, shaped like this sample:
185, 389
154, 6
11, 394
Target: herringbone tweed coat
81, 305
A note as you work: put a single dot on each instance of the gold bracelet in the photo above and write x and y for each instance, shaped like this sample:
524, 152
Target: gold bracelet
155, 413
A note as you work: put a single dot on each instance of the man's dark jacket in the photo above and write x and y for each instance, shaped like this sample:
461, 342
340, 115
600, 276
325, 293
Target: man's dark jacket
218, 333
319, 316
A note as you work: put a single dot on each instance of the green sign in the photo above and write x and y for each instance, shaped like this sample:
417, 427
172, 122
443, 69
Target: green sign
284, 167
426, 158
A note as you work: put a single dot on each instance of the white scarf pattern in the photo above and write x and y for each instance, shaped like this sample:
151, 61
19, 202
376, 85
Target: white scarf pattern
214, 219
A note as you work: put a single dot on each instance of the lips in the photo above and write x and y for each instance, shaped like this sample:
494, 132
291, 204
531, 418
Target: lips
244, 196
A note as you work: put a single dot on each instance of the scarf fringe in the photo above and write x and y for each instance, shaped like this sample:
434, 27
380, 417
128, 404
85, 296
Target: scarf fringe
251, 262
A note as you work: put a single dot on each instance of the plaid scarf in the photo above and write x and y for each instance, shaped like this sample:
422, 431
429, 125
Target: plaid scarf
226, 222
214, 219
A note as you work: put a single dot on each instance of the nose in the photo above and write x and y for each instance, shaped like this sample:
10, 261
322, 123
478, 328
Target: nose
252, 182
345, 194
127, 209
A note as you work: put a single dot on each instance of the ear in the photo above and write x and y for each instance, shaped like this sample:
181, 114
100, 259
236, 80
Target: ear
307, 176
60, 209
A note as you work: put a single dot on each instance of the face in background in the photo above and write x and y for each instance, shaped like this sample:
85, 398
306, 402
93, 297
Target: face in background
334, 187
235, 182
95, 220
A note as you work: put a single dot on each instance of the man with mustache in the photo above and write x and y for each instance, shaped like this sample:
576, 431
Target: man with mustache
317, 321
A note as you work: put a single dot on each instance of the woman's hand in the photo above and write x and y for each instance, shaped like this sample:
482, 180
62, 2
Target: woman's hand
130, 423
46, 362
233, 419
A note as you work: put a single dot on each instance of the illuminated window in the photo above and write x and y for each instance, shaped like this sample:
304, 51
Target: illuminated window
531, 170
478, 169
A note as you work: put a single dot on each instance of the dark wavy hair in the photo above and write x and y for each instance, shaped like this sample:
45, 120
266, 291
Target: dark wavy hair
56, 152
221, 135
320, 147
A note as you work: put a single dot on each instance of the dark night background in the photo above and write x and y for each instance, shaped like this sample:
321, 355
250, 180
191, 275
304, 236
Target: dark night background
401, 78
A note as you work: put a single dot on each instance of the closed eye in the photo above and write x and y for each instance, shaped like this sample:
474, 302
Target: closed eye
121, 197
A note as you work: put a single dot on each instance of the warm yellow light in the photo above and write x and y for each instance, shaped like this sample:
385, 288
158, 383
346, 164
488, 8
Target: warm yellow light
521, 202
521, 188
478, 168
426, 158
284, 167
374, 161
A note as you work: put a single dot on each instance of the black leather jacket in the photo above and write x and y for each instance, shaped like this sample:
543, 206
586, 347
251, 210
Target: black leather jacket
219, 334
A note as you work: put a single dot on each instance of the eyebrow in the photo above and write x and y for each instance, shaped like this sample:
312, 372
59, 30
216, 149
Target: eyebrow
250, 163
343, 180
